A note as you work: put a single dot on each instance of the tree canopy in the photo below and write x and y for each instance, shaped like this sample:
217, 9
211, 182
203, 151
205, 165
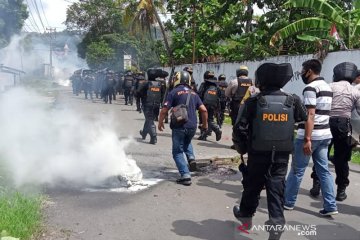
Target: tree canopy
13, 14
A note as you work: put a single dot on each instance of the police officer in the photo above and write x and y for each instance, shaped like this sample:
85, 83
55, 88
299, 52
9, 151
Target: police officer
264, 129
128, 86
88, 85
151, 93
345, 99
193, 84
222, 86
162, 81
139, 82
210, 94
236, 90
108, 87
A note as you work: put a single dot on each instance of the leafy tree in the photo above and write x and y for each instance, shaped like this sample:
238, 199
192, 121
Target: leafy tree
100, 55
13, 14
143, 14
101, 22
318, 27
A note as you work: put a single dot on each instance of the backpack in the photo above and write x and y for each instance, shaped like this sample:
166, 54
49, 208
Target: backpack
211, 97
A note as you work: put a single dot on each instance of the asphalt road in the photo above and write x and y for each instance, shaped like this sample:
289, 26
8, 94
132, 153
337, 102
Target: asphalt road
170, 211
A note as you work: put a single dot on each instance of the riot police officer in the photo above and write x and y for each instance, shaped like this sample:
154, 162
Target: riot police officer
236, 90
108, 87
151, 93
139, 82
193, 84
264, 129
222, 86
128, 86
88, 84
210, 94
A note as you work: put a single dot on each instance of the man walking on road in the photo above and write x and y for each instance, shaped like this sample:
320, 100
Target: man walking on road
346, 98
182, 132
312, 140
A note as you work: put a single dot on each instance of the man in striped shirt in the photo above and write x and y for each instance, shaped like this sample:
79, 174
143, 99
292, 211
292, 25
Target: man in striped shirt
313, 139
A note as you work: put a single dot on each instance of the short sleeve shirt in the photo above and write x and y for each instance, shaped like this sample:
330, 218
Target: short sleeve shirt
178, 96
318, 95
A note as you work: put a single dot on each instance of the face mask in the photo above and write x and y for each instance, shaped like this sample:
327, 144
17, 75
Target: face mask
304, 78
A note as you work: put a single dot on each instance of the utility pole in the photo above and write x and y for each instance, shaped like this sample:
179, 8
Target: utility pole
51, 36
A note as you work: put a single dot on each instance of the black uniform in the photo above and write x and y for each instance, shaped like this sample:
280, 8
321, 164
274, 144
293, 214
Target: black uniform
108, 88
151, 94
128, 86
210, 94
140, 81
88, 84
243, 85
221, 116
264, 129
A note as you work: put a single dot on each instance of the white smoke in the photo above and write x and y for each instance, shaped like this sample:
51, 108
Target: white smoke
40, 144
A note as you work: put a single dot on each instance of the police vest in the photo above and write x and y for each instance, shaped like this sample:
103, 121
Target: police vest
222, 86
128, 82
243, 85
140, 84
211, 97
153, 95
273, 126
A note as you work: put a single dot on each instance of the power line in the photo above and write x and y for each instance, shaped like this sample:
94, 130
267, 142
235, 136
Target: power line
38, 13
33, 19
42, 8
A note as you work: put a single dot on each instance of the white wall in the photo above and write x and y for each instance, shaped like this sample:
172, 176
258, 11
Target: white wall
295, 85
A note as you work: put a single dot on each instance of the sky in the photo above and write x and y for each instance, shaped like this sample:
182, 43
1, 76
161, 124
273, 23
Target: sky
52, 14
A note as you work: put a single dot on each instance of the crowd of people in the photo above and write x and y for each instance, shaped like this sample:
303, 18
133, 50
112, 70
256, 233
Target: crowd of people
264, 119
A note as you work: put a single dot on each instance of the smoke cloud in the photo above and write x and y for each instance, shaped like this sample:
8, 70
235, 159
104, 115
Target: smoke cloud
42, 144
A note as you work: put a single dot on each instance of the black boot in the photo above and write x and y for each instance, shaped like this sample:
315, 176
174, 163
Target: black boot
273, 235
246, 220
315, 191
153, 140
218, 135
143, 136
341, 194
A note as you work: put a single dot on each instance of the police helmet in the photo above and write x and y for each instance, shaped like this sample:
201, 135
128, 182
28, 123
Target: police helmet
345, 71
154, 73
222, 77
188, 69
242, 71
182, 77
272, 75
128, 73
209, 75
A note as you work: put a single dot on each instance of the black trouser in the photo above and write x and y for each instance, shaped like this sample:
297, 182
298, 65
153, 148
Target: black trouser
260, 172
108, 94
138, 103
88, 91
128, 96
212, 125
149, 125
221, 114
234, 110
341, 130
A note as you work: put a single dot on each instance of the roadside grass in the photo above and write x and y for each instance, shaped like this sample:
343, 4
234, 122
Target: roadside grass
20, 215
355, 157
227, 120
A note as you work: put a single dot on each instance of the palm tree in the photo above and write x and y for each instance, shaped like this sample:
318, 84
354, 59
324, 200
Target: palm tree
315, 28
143, 14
